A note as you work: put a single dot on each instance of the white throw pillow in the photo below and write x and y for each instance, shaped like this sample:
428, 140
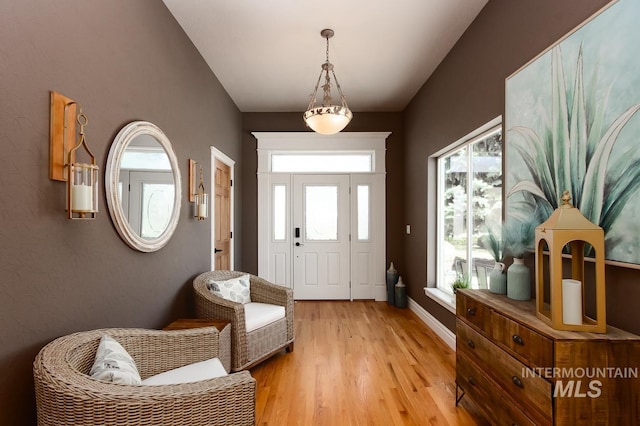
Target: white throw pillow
195, 372
235, 289
114, 364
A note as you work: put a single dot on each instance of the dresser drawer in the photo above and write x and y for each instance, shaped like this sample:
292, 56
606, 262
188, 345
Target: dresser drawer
513, 376
473, 311
500, 409
472, 344
530, 347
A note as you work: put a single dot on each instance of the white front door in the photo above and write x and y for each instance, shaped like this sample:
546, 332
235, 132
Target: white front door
321, 248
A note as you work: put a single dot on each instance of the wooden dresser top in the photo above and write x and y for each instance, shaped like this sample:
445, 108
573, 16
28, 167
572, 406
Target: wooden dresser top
525, 313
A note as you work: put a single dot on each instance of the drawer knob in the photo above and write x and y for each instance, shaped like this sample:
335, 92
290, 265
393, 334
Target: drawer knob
516, 381
471, 311
517, 339
471, 381
471, 344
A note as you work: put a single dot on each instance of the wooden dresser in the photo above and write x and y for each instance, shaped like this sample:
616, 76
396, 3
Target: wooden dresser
520, 371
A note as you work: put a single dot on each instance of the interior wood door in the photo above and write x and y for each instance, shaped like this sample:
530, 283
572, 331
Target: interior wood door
222, 216
321, 260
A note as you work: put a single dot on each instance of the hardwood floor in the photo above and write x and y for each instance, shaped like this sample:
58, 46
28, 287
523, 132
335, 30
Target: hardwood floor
360, 363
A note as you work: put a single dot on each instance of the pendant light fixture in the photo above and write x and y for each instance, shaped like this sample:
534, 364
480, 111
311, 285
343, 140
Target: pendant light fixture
327, 118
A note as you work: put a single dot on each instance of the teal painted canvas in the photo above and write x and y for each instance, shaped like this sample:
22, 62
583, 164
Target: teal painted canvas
572, 122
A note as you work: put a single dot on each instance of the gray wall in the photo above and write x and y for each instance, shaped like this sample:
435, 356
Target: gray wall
466, 91
123, 61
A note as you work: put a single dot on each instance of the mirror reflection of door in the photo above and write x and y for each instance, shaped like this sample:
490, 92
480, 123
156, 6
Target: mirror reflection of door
147, 201
321, 265
151, 197
146, 187
222, 216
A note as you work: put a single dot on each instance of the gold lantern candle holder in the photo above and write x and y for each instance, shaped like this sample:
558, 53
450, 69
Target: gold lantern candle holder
567, 227
201, 204
81, 178
82, 184
197, 194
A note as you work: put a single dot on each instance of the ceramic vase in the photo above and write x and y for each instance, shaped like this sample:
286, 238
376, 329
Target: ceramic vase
401, 294
518, 280
392, 279
498, 279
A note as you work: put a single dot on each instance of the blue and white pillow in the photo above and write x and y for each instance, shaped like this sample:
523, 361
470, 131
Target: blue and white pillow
235, 289
114, 364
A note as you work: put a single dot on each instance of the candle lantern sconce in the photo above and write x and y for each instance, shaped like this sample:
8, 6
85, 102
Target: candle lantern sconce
81, 178
197, 196
563, 307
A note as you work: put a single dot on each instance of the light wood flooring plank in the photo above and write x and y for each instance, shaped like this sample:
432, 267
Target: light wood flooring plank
360, 363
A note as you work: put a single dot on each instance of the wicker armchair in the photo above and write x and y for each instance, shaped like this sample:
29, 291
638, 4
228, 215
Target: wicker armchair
247, 349
67, 395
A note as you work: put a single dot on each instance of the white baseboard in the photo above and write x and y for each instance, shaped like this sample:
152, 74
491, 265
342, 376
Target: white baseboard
443, 332
380, 293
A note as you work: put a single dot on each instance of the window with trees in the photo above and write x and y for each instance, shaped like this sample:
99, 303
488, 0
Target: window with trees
469, 201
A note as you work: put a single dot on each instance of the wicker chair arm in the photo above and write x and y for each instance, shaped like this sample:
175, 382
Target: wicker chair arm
263, 291
208, 305
159, 351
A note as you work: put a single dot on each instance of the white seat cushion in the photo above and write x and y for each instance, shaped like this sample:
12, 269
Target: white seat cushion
258, 315
195, 372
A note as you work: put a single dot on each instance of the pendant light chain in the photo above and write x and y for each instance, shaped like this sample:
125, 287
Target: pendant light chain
327, 37
326, 98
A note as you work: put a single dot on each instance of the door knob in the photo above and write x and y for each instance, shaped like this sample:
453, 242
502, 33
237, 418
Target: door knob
215, 250
299, 244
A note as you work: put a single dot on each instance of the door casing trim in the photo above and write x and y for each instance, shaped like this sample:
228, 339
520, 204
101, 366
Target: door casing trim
287, 142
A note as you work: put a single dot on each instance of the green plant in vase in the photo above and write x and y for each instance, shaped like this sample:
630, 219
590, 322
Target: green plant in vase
519, 237
493, 242
460, 282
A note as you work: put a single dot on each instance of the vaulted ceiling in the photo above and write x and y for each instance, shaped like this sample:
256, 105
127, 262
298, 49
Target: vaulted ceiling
267, 54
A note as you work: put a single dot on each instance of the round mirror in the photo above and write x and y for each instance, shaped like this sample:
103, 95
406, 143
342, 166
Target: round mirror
142, 184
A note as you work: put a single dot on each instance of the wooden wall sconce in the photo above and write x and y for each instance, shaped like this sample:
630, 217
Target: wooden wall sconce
197, 194
81, 178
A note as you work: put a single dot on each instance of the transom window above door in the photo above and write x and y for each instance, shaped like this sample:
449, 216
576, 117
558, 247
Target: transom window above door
322, 162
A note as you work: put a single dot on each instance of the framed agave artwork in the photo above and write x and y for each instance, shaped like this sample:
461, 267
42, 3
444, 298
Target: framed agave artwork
572, 122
